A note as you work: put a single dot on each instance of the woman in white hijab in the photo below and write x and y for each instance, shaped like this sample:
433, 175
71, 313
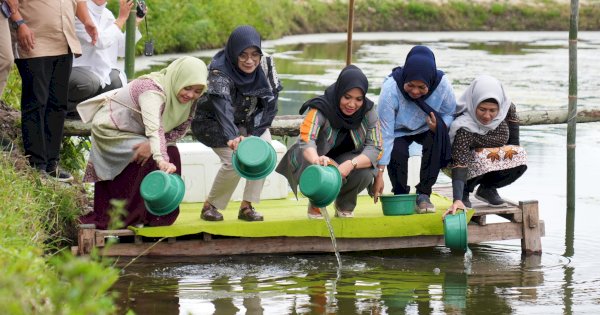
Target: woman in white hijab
485, 144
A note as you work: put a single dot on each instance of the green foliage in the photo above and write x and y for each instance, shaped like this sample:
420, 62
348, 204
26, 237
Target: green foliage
35, 216
12, 90
73, 153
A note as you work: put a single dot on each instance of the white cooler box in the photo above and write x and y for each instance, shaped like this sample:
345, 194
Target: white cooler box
199, 167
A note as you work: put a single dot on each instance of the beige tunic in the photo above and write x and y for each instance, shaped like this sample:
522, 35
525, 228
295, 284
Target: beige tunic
53, 25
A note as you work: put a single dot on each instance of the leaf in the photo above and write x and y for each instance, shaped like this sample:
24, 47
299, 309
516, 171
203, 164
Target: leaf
508, 154
494, 156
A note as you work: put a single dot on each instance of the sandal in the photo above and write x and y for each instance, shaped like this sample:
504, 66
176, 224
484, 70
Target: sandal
211, 213
249, 214
314, 212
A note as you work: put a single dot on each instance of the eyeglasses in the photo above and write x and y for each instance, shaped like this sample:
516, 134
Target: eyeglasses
243, 57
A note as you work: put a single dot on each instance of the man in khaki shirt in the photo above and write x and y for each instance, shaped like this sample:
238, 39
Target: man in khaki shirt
46, 42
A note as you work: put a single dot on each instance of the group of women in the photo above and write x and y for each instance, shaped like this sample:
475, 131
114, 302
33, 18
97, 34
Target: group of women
134, 129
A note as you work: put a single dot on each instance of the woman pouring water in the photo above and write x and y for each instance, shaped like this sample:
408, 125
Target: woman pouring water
485, 144
241, 101
134, 130
340, 127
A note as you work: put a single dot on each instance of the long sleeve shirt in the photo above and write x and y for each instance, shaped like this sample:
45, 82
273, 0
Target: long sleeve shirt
401, 117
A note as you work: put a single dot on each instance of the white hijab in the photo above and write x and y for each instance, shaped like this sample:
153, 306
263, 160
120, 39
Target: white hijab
483, 87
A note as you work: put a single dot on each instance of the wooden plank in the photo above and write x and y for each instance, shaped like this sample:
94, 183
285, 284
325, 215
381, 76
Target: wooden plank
101, 235
272, 245
531, 243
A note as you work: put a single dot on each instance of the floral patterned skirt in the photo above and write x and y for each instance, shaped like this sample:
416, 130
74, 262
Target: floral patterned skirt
485, 160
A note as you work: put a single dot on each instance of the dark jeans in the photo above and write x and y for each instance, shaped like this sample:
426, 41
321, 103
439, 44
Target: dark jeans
43, 105
496, 179
398, 167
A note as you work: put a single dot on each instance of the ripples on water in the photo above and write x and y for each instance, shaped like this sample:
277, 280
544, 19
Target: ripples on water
496, 279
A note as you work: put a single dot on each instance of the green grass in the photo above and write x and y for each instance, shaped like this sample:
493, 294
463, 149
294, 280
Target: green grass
39, 274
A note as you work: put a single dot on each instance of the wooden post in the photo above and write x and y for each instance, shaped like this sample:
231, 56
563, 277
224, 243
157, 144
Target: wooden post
349, 32
531, 243
572, 112
86, 238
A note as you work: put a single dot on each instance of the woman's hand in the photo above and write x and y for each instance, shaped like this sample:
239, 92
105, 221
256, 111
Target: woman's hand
323, 160
456, 205
142, 152
167, 167
233, 144
378, 186
431, 122
345, 168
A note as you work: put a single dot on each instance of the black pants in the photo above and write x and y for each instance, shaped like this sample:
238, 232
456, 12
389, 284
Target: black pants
43, 105
496, 179
398, 167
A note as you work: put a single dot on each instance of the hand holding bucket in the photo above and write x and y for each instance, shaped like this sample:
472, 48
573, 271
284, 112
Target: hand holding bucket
254, 158
321, 184
455, 230
162, 192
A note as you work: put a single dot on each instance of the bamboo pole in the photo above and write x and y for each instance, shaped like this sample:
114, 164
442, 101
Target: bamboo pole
572, 111
130, 43
349, 32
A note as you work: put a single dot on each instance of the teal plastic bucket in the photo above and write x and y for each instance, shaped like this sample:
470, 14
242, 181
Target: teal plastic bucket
162, 192
320, 184
254, 158
398, 204
455, 230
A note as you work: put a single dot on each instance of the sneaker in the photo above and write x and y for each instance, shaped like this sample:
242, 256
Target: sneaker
424, 205
490, 196
343, 213
211, 213
59, 174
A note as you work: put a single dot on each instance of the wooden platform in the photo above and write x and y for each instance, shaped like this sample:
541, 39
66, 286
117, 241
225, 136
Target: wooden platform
522, 222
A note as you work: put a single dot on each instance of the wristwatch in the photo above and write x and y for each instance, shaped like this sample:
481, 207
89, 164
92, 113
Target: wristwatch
354, 163
18, 23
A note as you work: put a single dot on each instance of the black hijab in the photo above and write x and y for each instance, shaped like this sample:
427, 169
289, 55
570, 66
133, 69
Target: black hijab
329, 103
420, 65
226, 60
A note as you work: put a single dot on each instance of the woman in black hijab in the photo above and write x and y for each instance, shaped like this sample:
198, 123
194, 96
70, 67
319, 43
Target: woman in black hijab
340, 126
241, 101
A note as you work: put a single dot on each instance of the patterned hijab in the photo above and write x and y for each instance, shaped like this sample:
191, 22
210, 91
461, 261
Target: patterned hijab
329, 103
482, 88
226, 61
182, 72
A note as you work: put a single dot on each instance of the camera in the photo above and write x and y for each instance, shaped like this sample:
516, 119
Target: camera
149, 48
140, 10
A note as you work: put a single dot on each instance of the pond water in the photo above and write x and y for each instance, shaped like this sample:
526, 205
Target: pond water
565, 279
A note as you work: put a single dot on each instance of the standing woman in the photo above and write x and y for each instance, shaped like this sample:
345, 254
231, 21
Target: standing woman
241, 101
416, 105
340, 126
485, 144
134, 130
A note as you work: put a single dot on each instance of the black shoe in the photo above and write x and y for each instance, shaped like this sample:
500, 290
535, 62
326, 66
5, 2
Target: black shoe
489, 195
211, 213
59, 174
249, 214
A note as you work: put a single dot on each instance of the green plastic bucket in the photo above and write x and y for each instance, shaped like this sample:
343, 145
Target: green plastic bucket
162, 192
254, 158
320, 184
455, 230
398, 204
